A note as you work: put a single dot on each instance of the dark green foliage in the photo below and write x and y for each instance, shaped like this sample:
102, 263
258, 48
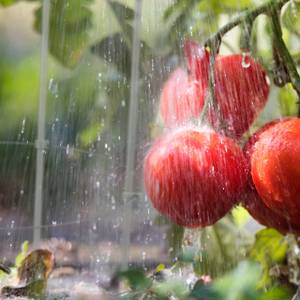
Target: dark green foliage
70, 22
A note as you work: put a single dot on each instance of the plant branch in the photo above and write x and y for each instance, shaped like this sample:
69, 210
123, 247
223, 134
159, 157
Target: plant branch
210, 101
284, 55
248, 16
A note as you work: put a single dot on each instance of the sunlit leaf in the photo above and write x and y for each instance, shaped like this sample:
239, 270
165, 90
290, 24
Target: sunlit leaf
160, 268
288, 101
276, 293
22, 255
291, 16
240, 216
215, 7
37, 265
269, 249
90, 134
7, 2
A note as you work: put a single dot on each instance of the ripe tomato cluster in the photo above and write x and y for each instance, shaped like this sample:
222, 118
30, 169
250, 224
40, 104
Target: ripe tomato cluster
195, 174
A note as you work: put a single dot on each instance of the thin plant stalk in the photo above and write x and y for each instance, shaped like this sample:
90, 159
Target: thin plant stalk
41, 142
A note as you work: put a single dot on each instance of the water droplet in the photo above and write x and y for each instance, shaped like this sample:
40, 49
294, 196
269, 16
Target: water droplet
54, 223
53, 87
246, 60
23, 126
123, 103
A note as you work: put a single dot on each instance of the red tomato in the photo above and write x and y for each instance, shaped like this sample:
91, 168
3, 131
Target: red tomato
249, 146
241, 87
252, 201
181, 99
194, 177
265, 216
275, 168
197, 62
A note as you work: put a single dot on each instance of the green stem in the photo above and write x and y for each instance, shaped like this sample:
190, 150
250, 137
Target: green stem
210, 101
249, 16
284, 54
220, 244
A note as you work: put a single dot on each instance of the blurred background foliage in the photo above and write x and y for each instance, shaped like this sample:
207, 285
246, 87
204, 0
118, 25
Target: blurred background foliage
89, 84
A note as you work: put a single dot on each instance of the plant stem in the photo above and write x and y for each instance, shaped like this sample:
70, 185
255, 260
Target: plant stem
221, 246
210, 101
284, 54
248, 16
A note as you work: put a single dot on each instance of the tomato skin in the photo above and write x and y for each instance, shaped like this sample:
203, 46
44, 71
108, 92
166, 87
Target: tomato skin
197, 59
194, 177
241, 87
241, 92
275, 168
265, 216
253, 202
249, 146
181, 99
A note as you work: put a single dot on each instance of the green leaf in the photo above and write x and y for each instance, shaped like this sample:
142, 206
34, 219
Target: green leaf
136, 278
122, 12
288, 101
202, 291
70, 22
291, 17
270, 248
216, 8
22, 255
237, 5
223, 245
276, 293
114, 49
160, 268
172, 287
240, 283
240, 216
7, 2
90, 134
